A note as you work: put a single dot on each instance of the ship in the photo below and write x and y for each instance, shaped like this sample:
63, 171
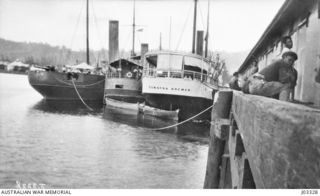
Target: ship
123, 78
179, 81
174, 80
54, 85
123, 81
73, 85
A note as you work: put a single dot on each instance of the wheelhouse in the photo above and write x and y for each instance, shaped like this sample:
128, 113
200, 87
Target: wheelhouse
176, 65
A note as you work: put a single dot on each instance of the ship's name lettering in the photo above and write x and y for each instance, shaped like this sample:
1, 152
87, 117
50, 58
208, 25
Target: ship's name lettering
166, 88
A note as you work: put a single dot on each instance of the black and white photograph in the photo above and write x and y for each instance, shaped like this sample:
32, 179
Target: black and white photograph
99, 95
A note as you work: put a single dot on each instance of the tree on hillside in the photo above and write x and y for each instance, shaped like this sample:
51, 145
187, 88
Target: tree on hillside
5, 58
44, 54
30, 60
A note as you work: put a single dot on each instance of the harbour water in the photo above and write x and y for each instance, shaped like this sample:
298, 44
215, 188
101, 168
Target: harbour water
63, 145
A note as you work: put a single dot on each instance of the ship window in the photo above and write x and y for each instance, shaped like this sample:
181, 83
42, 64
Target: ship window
119, 86
195, 62
167, 61
152, 61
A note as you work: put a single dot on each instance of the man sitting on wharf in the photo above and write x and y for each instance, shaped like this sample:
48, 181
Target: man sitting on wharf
279, 77
234, 82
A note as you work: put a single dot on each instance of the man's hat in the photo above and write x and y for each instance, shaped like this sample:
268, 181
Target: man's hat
290, 53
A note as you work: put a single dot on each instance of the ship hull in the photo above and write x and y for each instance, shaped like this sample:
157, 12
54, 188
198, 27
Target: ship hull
188, 106
189, 96
124, 89
59, 86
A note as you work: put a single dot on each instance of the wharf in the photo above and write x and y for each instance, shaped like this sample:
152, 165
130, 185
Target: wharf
258, 142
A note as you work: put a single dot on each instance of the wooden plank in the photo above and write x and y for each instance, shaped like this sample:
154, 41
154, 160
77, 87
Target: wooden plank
281, 139
223, 105
225, 179
221, 128
234, 126
220, 111
233, 166
216, 149
241, 176
239, 147
247, 178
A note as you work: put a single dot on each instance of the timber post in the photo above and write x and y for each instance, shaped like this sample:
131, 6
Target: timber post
218, 134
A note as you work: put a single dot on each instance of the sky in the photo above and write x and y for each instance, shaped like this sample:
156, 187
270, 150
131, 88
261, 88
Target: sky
234, 25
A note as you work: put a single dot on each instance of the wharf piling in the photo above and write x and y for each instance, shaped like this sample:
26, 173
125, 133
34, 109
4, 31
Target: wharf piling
258, 142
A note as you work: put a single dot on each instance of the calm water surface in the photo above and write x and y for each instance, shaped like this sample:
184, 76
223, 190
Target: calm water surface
63, 145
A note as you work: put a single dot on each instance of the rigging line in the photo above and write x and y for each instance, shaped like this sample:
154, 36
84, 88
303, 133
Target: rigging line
207, 30
201, 14
75, 88
76, 27
96, 24
127, 40
184, 27
210, 39
162, 128
139, 38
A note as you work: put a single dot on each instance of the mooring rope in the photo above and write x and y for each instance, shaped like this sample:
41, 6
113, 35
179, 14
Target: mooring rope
162, 128
75, 88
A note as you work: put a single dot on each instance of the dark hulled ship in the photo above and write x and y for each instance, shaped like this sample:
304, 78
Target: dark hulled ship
55, 85
73, 85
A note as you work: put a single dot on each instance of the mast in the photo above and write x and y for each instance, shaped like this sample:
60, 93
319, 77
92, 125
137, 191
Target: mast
160, 47
133, 27
194, 26
170, 34
87, 26
207, 34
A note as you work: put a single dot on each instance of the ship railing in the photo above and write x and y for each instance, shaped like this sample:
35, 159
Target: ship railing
130, 75
165, 73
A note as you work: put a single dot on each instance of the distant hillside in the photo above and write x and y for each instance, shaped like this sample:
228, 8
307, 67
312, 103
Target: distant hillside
234, 60
45, 54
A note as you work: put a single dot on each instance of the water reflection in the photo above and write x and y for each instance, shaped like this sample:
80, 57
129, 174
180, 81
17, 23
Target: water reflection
64, 145
68, 107
190, 131
135, 119
196, 132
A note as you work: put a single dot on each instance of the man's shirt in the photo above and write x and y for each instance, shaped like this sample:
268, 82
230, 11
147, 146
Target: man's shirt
234, 83
279, 71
